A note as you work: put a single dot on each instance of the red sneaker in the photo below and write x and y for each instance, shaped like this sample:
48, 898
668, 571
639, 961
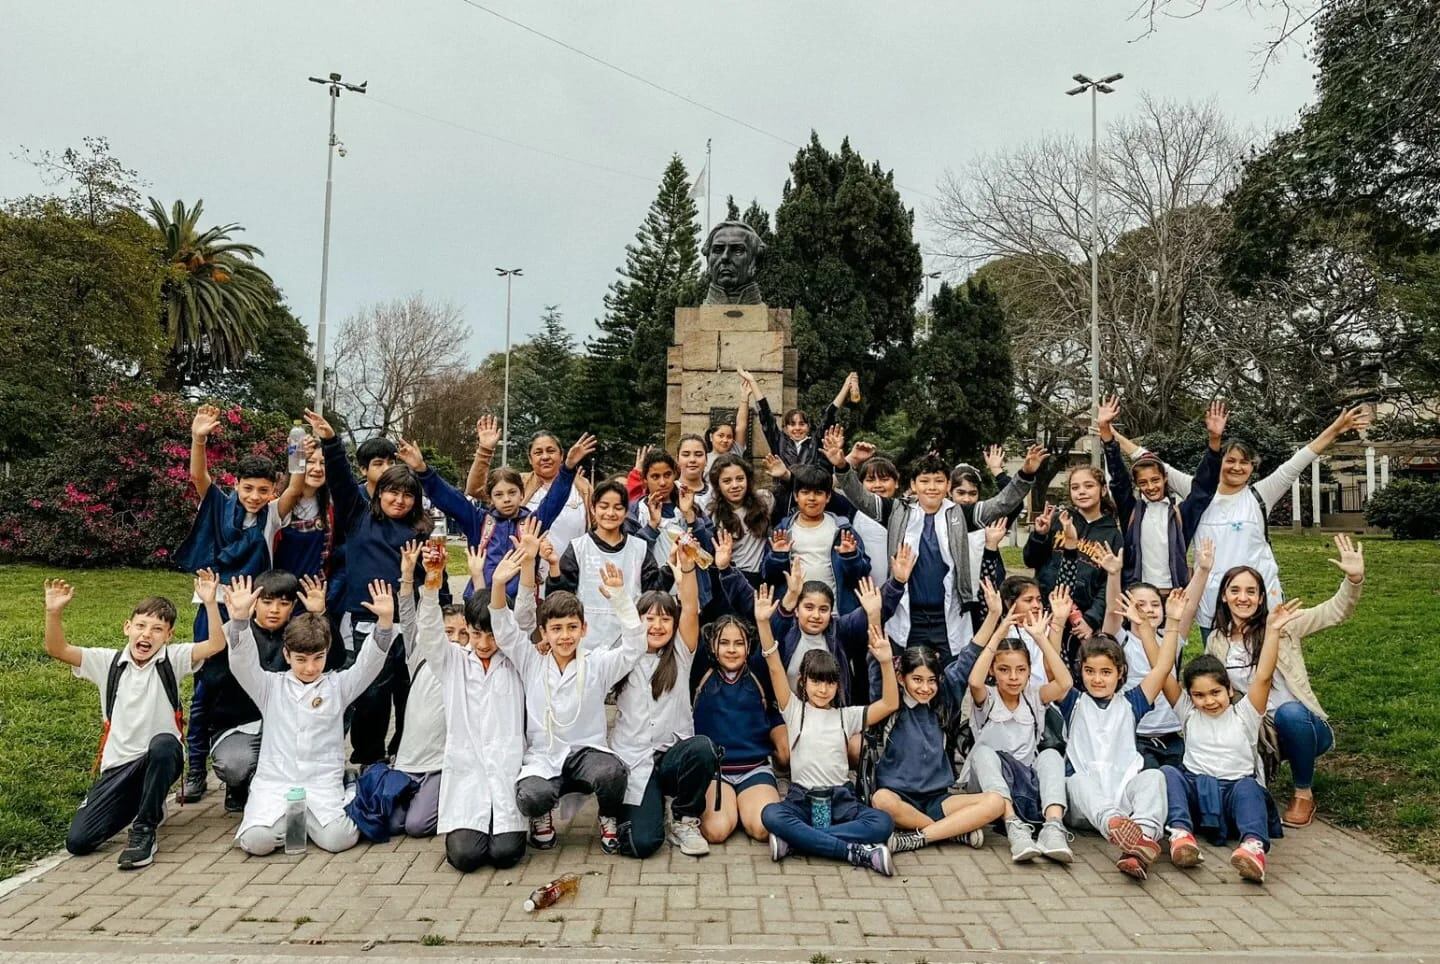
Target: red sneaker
1249, 860
1132, 867
1130, 838
1185, 849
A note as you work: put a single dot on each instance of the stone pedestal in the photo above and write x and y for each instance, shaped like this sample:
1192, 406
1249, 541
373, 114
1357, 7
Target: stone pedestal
711, 342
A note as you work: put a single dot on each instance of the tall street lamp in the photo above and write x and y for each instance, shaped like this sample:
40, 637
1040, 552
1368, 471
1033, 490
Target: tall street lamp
1095, 87
509, 275
333, 85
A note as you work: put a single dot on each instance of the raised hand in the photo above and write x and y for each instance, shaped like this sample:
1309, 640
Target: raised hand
1282, 615
1352, 558
1217, 416
548, 553
995, 533
780, 540
308, 445
765, 603
508, 568
847, 542
1061, 605
655, 505
1175, 604
860, 453
528, 538
1127, 608
206, 420
748, 381
207, 584
240, 597
795, 577
869, 598
583, 448
833, 445
381, 602
880, 644
724, 548
1067, 526
487, 433
1041, 524
58, 594
312, 592
902, 564
640, 454
776, 467
685, 501
992, 596
474, 565
1355, 419
321, 428
1108, 412
409, 453
612, 580
1111, 562
1035, 457
410, 555
1205, 554
1037, 624
434, 558
994, 459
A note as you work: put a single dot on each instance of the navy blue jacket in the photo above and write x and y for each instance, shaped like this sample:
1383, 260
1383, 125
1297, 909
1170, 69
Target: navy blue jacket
1184, 516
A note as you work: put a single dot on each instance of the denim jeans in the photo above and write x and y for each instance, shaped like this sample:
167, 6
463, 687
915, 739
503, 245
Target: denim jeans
1303, 737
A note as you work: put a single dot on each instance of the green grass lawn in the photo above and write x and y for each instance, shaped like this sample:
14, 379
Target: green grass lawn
1378, 677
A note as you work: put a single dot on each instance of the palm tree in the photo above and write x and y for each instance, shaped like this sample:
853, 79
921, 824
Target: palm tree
215, 299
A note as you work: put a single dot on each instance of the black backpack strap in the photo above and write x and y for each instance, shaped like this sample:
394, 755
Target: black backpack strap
1265, 512
171, 684
112, 682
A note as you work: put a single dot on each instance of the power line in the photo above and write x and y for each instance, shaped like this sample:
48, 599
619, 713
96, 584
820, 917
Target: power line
668, 91
505, 140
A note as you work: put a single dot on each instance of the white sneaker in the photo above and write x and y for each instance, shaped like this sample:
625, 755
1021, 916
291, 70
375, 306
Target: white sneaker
685, 834
974, 839
609, 835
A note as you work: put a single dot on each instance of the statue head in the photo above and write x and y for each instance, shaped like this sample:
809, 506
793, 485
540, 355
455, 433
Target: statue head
732, 255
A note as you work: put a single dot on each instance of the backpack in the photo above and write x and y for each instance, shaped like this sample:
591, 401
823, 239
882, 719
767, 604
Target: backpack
1265, 512
112, 688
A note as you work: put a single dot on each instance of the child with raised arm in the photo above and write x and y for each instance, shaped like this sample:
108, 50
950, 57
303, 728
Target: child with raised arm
793, 440
139, 756
1009, 723
233, 534
303, 713
1219, 787
483, 701
825, 543
1109, 788
821, 815
566, 748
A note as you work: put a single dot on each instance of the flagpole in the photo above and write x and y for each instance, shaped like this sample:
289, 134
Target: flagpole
709, 176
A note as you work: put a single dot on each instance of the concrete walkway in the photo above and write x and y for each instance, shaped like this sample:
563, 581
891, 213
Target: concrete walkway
1330, 893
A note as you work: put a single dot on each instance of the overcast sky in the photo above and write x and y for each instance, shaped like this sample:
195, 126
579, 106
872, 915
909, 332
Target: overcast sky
211, 101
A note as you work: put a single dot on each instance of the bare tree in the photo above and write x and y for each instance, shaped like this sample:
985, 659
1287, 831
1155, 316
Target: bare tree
386, 358
1164, 172
1287, 20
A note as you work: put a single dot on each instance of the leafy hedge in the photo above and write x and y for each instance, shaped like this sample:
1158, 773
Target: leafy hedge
1409, 508
115, 490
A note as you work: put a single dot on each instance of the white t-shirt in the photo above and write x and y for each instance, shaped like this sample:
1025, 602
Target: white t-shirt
1220, 746
1003, 729
806, 643
1242, 672
1155, 544
142, 710
819, 755
813, 545
749, 550
1162, 718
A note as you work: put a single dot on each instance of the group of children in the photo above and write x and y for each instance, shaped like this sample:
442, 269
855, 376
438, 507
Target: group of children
821, 625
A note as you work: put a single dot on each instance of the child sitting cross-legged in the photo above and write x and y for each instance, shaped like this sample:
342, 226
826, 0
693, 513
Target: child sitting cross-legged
1218, 789
140, 754
302, 714
821, 815
566, 749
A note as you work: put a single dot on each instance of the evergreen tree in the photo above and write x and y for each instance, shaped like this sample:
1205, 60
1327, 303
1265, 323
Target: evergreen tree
960, 398
544, 388
625, 381
844, 258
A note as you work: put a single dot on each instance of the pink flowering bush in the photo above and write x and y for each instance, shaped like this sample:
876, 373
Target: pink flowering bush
115, 489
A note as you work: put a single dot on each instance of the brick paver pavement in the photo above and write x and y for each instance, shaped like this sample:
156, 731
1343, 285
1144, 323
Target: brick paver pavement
1330, 892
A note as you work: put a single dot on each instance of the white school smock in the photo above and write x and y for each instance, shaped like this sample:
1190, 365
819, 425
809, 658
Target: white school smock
422, 743
602, 628
958, 628
1224, 747
142, 709
1037, 655
565, 709
1162, 718
571, 522
645, 725
484, 730
876, 540
1237, 525
304, 729
1101, 744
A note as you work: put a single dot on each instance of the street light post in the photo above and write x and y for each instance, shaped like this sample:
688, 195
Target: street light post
333, 86
509, 275
929, 312
1095, 87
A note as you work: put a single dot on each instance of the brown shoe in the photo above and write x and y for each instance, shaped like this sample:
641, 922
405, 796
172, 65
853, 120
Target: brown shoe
1300, 813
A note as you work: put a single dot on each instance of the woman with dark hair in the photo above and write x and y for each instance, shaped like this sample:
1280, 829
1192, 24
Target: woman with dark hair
1301, 729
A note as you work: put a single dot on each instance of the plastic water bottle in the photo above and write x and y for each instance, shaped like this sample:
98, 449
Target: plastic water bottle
295, 821
542, 897
295, 449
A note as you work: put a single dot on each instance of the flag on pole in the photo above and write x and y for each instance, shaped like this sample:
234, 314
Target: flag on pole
702, 182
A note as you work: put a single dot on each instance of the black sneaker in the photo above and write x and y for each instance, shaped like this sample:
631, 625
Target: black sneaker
904, 841
193, 788
140, 850
235, 797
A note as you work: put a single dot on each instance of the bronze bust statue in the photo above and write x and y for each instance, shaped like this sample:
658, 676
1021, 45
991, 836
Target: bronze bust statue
732, 256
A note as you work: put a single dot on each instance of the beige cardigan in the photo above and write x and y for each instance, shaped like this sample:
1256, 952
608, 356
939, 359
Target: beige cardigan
1291, 661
